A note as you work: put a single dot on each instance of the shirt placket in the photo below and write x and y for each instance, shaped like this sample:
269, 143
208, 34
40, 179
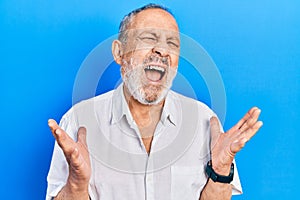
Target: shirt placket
149, 179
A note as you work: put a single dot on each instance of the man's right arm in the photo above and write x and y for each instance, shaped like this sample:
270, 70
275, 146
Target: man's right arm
77, 156
70, 192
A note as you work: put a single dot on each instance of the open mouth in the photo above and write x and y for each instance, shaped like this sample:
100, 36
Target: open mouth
154, 73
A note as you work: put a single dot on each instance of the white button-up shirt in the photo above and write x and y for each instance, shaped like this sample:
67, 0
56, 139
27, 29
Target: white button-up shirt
121, 166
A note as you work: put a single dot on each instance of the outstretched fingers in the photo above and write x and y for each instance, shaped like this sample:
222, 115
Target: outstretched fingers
243, 137
66, 143
245, 129
244, 119
251, 131
247, 121
76, 154
252, 119
53, 126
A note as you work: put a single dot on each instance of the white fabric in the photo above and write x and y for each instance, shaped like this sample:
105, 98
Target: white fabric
121, 167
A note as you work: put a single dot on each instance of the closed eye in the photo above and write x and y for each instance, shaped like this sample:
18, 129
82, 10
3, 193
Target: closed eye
173, 44
148, 39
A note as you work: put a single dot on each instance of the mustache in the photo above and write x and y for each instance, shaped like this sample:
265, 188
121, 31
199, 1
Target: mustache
157, 59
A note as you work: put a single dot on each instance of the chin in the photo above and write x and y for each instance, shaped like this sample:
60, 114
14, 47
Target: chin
154, 96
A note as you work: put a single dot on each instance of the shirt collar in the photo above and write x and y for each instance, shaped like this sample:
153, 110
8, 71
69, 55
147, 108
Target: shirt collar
120, 108
169, 111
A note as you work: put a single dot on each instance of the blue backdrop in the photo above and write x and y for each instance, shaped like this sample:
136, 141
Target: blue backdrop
255, 44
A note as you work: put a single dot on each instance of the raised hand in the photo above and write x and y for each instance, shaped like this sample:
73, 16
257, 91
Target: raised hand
77, 156
224, 146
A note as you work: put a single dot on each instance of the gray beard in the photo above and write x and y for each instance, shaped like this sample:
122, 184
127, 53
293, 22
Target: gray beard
136, 87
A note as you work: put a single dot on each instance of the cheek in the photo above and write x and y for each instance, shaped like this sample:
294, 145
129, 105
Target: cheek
135, 57
134, 47
174, 61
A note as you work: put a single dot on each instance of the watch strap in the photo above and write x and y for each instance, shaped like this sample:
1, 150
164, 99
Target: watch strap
217, 177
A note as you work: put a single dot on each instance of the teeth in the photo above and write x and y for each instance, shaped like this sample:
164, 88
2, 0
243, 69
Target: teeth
158, 68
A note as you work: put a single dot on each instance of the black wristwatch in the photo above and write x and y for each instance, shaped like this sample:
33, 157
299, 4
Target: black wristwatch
216, 177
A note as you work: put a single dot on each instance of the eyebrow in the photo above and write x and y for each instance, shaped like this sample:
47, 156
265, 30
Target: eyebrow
148, 32
172, 37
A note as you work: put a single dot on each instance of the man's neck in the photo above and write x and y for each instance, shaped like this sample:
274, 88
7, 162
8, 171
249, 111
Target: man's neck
145, 116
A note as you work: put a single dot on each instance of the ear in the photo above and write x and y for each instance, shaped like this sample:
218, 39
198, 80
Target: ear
117, 51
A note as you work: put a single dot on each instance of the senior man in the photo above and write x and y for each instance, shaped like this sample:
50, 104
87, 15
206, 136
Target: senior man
142, 140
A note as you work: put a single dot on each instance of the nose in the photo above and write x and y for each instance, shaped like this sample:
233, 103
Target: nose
161, 50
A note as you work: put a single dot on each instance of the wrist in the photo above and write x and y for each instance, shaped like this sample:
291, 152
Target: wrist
217, 177
220, 168
76, 187
72, 191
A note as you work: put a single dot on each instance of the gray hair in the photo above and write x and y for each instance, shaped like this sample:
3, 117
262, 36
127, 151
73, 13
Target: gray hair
122, 36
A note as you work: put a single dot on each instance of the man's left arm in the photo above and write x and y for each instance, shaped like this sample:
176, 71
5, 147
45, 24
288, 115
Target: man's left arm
224, 147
